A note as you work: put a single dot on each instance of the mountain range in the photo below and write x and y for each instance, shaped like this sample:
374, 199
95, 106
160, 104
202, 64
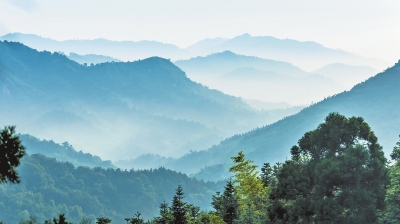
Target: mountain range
306, 54
376, 100
117, 110
260, 79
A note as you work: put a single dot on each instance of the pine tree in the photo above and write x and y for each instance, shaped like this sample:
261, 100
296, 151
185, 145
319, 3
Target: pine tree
136, 219
178, 207
230, 203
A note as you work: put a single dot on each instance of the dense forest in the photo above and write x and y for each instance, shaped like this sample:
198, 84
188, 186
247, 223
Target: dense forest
337, 173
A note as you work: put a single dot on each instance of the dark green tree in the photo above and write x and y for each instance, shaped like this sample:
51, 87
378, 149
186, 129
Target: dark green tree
165, 214
391, 214
227, 205
61, 219
337, 174
11, 152
103, 220
178, 207
136, 219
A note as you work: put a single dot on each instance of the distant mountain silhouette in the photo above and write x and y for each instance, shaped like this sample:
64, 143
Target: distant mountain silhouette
376, 100
307, 55
91, 58
258, 79
346, 75
123, 50
116, 110
227, 61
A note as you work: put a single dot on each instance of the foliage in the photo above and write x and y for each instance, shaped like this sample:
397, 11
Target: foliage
391, 214
337, 174
61, 219
250, 190
178, 207
49, 187
376, 100
11, 152
103, 220
227, 205
63, 152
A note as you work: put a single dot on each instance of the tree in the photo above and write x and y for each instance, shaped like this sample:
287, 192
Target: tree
61, 219
165, 214
178, 207
337, 174
227, 205
103, 220
11, 152
250, 190
136, 219
392, 212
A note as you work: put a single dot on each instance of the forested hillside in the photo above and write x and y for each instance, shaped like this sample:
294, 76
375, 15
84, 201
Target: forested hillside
147, 106
376, 100
62, 152
49, 187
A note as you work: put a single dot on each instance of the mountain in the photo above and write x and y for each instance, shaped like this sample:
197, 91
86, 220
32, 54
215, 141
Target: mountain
262, 105
346, 75
123, 50
206, 45
376, 100
258, 79
306, 54
49, 187
116, 110
91, 58
62, 152
227, 61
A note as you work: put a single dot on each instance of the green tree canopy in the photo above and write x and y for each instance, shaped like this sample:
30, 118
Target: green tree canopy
11, 152
337, 174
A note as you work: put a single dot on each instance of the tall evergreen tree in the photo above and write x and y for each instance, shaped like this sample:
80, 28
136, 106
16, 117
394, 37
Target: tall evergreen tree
178, 207
165, 214
230, 203
226, 205
11, 152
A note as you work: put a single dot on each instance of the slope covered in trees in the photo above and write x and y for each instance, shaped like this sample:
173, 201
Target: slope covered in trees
49, 187
136, 107
63, 152
376, 100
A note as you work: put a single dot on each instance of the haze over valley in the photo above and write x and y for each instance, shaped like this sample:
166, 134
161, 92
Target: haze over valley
199, 112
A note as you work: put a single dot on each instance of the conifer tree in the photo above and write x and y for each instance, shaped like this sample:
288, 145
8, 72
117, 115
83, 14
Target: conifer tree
136, 219
178, 207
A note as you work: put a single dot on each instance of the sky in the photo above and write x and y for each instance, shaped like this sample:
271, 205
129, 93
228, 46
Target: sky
365, 27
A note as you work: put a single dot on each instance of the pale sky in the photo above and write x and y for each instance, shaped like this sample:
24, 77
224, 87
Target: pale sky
365, 27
